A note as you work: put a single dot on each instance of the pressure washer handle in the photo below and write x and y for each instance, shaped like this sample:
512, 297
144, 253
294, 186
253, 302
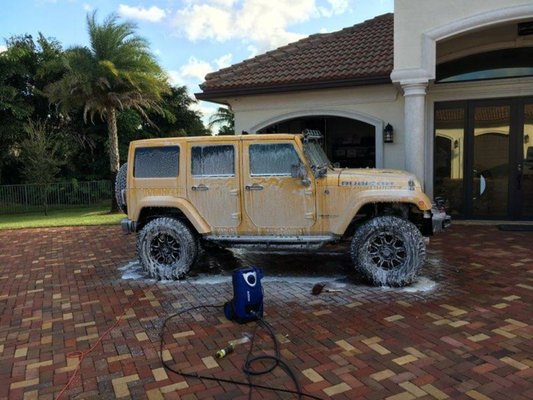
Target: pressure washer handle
225, 351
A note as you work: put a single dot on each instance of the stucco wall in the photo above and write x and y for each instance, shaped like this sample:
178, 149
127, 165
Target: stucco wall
496, 38
418, 24
376, 105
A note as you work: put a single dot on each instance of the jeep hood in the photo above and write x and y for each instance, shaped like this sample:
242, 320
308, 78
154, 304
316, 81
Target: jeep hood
370, 177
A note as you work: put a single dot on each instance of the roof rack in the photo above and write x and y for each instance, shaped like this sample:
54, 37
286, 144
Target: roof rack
310, 134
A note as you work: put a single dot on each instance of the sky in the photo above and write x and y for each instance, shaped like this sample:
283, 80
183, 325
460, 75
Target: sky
191, 38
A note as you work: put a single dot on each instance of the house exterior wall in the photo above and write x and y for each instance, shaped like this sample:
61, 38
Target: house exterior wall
430, 31
419, 24
375, 105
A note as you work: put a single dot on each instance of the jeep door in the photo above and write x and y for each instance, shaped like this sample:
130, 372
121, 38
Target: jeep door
213, 182
272, 197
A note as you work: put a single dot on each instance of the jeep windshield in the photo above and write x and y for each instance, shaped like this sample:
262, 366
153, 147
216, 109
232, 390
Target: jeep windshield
317, 157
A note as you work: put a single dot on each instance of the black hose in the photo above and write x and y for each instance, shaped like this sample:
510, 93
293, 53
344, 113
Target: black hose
248, 364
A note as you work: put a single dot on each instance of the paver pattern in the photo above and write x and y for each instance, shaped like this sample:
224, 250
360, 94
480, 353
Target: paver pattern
470, 337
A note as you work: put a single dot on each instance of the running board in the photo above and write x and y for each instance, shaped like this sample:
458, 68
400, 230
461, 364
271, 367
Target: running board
274, 242
298, 239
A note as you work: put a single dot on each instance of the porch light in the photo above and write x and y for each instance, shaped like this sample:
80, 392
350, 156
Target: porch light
388, 134
526, 139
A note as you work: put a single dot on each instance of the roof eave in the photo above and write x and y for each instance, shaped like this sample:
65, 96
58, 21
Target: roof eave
213, 94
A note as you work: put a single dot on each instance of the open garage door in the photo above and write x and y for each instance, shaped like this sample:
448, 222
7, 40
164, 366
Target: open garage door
348, 142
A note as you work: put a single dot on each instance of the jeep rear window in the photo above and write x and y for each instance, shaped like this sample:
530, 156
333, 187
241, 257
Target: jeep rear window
217, 160
272, 159
156, 162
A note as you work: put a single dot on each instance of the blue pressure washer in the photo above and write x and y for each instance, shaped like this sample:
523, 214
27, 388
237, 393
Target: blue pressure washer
247, 302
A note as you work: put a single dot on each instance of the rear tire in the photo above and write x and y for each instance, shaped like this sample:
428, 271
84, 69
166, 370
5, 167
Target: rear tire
167, 248
120, 185
388, 250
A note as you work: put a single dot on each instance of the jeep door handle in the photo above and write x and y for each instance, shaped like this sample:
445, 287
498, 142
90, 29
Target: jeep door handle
255, 186
200, 188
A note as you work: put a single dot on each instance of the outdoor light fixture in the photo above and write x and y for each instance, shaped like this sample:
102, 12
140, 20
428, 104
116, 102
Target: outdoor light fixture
455, 144
388, 134
526, 139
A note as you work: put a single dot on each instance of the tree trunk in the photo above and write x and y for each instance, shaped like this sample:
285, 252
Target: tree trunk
114, 161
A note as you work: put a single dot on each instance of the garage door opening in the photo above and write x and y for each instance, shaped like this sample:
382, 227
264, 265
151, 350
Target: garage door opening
348, 142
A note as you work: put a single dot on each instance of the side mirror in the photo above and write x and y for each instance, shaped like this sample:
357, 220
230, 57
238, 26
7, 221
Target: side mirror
299, 171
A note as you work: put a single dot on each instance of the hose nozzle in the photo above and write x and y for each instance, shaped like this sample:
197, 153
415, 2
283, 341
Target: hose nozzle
231, 346
225, 351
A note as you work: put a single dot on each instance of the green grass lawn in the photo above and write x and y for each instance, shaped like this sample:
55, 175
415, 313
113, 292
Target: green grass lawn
67, 217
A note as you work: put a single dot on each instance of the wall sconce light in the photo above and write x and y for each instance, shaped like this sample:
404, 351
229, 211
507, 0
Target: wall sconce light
455, 144
526, 139
388, 134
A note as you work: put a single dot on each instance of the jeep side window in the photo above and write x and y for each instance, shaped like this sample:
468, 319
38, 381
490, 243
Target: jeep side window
272, 159
156, 162
217, 160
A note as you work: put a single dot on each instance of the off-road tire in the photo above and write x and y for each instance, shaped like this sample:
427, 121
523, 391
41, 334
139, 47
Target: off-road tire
120, 184
167, 248
388, 250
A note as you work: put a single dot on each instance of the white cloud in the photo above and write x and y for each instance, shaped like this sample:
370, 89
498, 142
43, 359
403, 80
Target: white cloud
152, 14
2, 48
339, 6
87, 7
224, 61
264, 23
194, 71
336, 7
205, 108
252, 51
175, 78
225, 3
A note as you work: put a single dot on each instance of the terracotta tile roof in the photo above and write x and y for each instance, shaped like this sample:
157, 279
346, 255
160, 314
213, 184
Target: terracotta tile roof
361, 54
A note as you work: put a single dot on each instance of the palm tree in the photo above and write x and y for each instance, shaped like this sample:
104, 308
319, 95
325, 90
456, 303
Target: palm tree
116, 72
225, 118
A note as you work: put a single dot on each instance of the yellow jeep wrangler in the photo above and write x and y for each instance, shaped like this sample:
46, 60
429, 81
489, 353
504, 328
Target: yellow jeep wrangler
270, 191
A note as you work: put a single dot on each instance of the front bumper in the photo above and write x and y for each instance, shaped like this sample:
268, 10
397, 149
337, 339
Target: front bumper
128, 226
435, 221
440, 220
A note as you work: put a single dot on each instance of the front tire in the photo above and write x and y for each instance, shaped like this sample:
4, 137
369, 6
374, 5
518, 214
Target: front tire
167, 248
388, 250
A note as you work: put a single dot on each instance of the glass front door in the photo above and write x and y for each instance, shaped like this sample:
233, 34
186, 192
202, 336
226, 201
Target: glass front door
489, 181
484, 158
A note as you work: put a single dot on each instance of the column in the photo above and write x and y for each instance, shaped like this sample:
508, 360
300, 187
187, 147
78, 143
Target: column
414, 127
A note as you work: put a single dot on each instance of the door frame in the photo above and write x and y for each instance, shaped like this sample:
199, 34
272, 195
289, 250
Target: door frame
516, 138
229, 185
249, 198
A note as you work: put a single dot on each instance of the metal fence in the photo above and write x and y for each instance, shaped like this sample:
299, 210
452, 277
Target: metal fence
33, 197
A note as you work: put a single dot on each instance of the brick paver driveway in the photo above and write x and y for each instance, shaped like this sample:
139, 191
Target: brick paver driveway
467, 337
